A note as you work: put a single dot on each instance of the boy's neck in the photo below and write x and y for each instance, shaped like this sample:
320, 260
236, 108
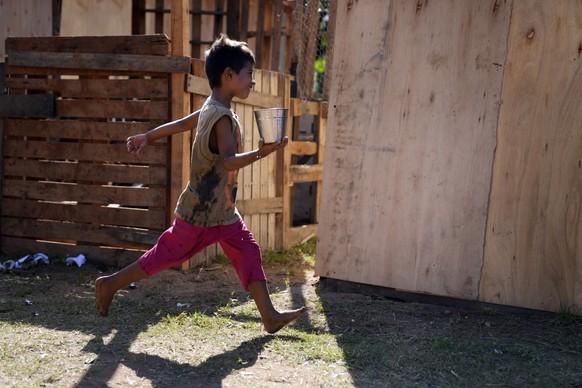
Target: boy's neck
221, 97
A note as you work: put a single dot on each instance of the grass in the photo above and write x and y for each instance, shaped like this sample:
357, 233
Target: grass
567, 316
201, 329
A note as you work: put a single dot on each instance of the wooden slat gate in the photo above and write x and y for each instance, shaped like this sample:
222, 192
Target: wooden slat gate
68, 184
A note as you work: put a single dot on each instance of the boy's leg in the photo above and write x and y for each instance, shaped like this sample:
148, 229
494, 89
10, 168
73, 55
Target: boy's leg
107, 286
245, 254
273, 320
177, 244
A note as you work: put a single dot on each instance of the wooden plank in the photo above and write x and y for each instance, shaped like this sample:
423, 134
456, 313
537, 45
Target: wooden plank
138, 18
81, 130
412, 178
276, 40
305, 173
95, 88
260, 205
265, 174
24, 18
2, 77
159, 17
244, 21
27, 105
82, 151
321, 136
260, 57
157, 44
255, 168
74, 171
305, 108
66, 72
90, 18
303, 148
199, 85
97, 254
85, 193
533, 246
180, 104
72, 231
2, 121
275, 165
119, 62
120, 109
138, 218
299, 234
284, 183
196, 34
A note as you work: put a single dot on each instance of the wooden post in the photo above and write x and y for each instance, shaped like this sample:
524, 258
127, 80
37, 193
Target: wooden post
138, 17
284, 187
321, 134
276, 34
159, 17
260, 35
179, 143
197, 30
1, 168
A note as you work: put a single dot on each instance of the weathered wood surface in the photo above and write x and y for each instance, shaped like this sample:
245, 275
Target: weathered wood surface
69, 186
81, 130
157, 44
118, 62
90, 17
409, 151
33, 105
533, 249
24, 18
94, 88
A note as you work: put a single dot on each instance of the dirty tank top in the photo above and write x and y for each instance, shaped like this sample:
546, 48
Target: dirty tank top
210, 196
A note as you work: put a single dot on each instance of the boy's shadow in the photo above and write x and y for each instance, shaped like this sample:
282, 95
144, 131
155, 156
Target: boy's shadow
209, 373
109, 349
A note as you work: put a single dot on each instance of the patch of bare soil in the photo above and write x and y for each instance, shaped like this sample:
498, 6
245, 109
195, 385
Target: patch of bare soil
385, 338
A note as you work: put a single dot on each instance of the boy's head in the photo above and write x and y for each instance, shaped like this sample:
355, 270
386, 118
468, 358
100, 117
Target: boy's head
224, 53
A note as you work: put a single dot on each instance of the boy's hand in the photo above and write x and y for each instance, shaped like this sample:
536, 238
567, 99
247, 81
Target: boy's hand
135, 144
266, 149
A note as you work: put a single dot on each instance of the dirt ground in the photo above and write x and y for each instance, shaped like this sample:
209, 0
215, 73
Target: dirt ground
375, 339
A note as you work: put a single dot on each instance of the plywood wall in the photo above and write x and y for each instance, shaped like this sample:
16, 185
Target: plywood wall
412, 119
453, 161
24, 18
95, 18
533, 249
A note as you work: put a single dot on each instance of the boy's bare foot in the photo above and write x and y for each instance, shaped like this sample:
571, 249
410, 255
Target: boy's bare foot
103, 296
280, 320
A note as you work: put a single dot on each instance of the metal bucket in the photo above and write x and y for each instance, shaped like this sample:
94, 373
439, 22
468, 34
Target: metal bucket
272, 123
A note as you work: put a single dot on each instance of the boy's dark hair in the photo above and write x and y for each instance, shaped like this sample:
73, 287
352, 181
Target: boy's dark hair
224, 53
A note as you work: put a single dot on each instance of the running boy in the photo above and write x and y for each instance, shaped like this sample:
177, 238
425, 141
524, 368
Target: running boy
206, 212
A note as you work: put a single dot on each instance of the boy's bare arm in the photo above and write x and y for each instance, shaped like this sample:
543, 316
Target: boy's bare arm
230, 159
136, 143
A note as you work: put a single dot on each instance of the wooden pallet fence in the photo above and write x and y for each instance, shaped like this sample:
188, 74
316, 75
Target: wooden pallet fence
69, 186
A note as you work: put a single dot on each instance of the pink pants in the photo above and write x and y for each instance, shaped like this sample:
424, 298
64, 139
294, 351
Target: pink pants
183, 240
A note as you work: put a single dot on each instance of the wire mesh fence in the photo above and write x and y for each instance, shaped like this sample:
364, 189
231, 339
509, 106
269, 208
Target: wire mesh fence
312, 38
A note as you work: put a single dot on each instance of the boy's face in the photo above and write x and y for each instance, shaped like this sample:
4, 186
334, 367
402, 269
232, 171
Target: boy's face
243, 82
